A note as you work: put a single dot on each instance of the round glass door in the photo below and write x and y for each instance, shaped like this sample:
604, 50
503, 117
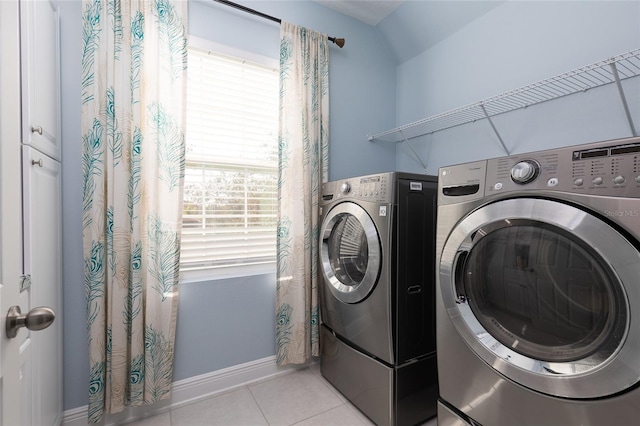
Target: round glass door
543, 292
350, 252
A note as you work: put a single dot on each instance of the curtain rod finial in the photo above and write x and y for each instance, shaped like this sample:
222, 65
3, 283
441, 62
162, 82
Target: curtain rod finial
339, 42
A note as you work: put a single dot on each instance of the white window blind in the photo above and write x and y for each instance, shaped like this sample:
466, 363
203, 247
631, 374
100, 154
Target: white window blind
230, 194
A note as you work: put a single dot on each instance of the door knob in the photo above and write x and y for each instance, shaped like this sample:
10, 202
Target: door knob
36, 319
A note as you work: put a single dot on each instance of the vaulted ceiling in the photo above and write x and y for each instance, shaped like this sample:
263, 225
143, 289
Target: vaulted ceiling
408, 28
368, 11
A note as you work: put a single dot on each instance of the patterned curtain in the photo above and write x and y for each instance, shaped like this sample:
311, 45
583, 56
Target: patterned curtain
133, 96
303, 166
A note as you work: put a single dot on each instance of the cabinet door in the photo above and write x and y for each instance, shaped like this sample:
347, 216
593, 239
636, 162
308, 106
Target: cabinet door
40, 76
42, 208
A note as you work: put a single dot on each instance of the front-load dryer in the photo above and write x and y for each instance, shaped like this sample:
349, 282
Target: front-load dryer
538, 291
377, 294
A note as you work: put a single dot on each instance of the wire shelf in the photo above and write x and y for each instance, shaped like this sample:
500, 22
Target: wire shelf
612, 70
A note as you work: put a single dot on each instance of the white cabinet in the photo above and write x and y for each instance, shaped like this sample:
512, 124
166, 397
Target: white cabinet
42, 211
41, 357
40, 76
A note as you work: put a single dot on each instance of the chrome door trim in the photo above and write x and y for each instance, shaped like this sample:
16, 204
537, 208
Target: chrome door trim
576, 379
347, 293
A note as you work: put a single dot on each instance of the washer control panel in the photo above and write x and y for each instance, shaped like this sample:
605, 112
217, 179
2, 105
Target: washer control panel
604, 168
374, 188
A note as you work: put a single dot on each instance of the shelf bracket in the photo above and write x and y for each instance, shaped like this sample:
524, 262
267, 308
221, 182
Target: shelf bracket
484, 110
415, 154
614, 69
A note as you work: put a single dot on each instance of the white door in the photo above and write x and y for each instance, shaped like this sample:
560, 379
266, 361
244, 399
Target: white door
10, 209
31, 364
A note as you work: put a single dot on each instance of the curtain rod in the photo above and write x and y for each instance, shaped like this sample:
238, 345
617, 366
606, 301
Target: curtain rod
338, 41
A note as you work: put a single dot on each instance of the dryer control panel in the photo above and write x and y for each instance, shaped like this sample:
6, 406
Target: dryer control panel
606, 168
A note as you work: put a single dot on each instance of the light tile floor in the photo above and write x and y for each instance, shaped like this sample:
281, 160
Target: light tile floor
301, 398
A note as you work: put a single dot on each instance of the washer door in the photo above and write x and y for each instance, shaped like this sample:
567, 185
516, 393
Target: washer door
544, 292
350, 252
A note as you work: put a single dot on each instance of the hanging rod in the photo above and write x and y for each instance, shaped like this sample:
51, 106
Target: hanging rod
339, 41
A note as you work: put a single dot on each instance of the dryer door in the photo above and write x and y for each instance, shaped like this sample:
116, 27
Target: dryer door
544, 293
350, 252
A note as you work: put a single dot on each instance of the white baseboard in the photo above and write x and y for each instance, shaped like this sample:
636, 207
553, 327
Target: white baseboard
192, 390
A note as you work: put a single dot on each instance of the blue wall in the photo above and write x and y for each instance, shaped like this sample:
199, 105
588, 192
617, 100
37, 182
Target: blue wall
231, 321
361, 75
513, 45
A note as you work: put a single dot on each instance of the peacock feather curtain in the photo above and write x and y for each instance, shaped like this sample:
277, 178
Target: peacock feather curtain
134, 63
303, 167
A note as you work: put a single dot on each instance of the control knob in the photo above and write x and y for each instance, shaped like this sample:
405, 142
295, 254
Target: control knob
525, 171
619, 180
345, 188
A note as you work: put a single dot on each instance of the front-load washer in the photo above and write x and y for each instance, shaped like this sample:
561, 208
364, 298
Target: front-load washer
538, 293
377, 294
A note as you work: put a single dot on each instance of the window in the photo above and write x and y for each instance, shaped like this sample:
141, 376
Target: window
230, 192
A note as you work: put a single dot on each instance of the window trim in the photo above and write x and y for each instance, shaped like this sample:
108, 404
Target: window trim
224, 49
232, 271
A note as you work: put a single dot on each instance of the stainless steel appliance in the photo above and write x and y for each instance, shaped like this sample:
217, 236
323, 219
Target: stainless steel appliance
378, 294
538, 291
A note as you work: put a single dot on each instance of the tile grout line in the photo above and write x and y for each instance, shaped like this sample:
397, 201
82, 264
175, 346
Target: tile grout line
319, 414
320, 378
258, 405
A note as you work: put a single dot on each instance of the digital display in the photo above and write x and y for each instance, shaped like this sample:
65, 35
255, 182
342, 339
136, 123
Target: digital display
629, 149
605, 152
370, 179
594, 153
